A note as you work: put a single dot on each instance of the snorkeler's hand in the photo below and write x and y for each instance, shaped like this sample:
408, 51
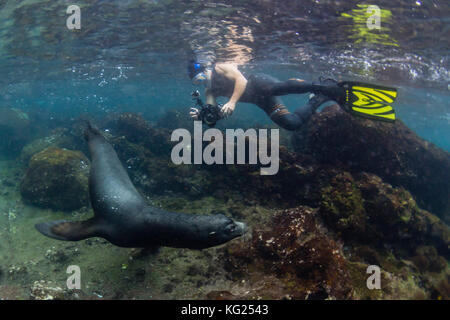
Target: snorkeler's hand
227, 109
194, 113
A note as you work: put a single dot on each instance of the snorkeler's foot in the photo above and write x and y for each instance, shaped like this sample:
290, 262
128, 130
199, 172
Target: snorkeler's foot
330, 88
316, 100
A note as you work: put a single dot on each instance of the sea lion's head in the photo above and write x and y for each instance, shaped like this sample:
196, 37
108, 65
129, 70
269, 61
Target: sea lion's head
224, 229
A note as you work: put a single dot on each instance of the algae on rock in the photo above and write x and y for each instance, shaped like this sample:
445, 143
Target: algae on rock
57, 179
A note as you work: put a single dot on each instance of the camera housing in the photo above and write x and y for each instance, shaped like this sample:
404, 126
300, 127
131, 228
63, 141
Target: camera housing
209, 113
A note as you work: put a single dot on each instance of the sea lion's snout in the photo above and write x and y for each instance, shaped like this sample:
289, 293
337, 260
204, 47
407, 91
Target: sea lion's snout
235, 229
223, 229
241, 228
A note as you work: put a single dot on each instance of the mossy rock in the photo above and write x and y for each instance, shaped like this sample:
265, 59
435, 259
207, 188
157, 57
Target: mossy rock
364, 209
427, 259
57, 179
358, 275
393, 152
342, 205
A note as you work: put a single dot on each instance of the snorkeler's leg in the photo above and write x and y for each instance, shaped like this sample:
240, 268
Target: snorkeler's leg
315, 101
290, 86
279, 114
262, 85
297, 86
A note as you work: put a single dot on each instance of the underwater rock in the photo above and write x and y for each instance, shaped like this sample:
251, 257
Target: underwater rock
59, 139
56, 255
57, 179
137, 130
17, 271
292, 257
391, 151
364, 209
14, 129
46, 290
12, 292
440, 287
174, 119
427, 259
145, 152
220, 295
154, 175
342, 206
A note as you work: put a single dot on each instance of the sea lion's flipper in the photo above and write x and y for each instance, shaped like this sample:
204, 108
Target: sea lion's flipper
69, 230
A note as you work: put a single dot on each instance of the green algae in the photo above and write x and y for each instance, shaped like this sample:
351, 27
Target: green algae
342, 204
57, 178
400, 285
358, 276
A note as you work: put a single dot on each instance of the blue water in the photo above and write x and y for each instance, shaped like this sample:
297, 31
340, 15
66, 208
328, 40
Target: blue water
118, 89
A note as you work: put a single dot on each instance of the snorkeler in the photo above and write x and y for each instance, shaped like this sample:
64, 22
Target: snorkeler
226, 80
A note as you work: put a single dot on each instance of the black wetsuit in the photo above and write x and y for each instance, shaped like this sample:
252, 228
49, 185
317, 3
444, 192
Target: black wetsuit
263, 90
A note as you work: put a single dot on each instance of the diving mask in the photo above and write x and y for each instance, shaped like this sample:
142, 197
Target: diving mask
199, 79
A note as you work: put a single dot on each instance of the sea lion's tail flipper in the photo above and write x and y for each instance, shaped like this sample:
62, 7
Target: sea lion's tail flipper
91, 131
69, 230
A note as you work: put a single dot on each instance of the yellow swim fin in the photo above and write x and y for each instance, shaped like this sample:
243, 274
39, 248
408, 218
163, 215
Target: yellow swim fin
369, 101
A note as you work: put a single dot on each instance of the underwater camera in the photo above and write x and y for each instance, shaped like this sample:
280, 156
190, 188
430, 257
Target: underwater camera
209, 113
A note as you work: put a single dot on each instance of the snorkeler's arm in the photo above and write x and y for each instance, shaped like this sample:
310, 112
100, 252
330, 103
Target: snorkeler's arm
230, 71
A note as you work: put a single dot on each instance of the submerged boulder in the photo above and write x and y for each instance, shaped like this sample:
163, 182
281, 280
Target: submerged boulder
292, 257
390, 150
137, 130
58, 179
364, 209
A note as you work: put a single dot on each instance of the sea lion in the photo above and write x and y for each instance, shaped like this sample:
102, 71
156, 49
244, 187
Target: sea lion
122, 216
